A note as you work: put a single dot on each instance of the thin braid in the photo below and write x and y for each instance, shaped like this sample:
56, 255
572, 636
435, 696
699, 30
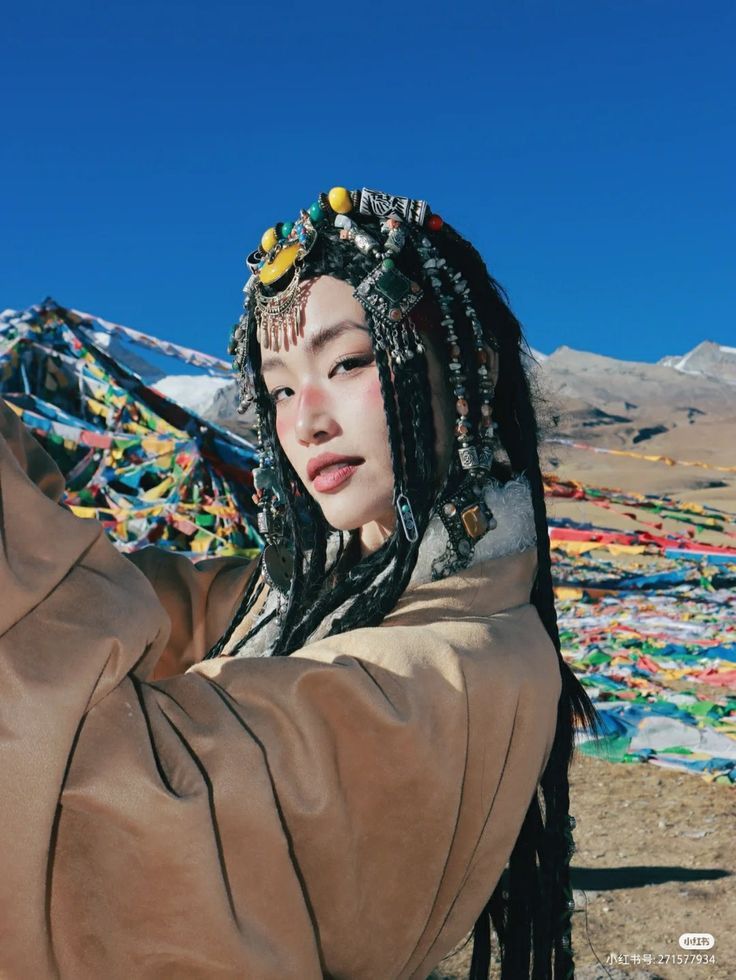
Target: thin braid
418, 438
357, 581
392, 422
414, 399
555, 781
293, 530
418, 431
318, 554
302, 581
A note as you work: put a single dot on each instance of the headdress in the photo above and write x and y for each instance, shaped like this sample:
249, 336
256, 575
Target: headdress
389, 296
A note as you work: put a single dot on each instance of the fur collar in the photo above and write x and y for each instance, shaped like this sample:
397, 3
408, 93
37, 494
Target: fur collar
511, 504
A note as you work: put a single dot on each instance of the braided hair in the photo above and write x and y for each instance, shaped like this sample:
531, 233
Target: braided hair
531, 906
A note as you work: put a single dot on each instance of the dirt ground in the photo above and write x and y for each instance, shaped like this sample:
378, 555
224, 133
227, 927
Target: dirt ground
655, 858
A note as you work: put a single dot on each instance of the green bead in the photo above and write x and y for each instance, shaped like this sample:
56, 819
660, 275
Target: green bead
315, 211
287, 228
388, 263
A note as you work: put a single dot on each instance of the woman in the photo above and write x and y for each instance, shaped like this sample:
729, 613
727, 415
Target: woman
326, 763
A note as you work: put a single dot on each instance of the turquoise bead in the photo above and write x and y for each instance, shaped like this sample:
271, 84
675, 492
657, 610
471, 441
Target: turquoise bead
388, 263
287, 228
315, 211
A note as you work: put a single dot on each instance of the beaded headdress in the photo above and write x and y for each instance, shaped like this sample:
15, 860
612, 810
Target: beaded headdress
388, 296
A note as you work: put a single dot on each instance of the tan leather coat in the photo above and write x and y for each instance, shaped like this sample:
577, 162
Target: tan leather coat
344, 812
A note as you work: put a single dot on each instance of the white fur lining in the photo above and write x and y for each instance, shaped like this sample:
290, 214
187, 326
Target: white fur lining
511, 504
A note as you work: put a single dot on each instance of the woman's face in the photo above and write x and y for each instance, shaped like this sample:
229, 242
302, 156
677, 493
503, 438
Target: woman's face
330, 418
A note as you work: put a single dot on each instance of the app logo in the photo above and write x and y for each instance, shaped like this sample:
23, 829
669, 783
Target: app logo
696, 940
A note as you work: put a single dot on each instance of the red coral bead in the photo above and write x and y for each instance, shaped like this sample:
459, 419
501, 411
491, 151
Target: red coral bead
434, 222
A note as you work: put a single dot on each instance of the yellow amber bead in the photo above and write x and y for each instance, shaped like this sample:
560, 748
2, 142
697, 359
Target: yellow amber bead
269, 239
340, 200
280, 264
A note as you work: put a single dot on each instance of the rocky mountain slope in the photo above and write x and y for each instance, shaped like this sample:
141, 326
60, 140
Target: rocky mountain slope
628, 403
648, 409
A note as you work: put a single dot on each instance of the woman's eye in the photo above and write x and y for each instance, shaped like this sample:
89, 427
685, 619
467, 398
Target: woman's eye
351, 363
279, 394
343, 366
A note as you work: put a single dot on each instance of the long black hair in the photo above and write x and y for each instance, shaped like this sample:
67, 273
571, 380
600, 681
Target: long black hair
531, 906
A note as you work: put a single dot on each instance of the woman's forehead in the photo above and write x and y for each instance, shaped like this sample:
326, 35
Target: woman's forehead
328, 309
326, 300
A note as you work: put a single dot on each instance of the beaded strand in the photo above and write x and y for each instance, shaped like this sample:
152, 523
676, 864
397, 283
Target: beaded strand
472, 456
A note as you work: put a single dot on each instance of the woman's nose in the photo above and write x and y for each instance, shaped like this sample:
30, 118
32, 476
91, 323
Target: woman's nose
315, 423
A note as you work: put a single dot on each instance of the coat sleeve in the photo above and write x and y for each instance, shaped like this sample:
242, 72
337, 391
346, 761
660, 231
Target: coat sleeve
346, 812
199, 598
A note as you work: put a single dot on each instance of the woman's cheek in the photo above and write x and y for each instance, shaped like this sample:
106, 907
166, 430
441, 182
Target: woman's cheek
283, 426
364, 417
286, 437
360, 404
373, 395
369, 410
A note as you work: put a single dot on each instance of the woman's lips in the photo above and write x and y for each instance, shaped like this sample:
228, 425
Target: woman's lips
332, 477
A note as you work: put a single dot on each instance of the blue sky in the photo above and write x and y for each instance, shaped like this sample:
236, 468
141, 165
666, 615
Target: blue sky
587, 148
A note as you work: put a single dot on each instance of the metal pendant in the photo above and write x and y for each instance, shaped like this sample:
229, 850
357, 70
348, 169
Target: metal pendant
406, 515
278, 567
388, 295
467, 518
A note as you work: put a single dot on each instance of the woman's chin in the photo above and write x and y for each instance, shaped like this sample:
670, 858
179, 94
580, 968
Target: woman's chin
345, 519
347, 515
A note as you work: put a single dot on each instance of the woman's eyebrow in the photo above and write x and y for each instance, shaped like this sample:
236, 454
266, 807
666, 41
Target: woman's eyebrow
317, 342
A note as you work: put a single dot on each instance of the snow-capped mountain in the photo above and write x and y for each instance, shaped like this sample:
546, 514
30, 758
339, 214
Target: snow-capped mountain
708, 359
194, 393
150, 358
